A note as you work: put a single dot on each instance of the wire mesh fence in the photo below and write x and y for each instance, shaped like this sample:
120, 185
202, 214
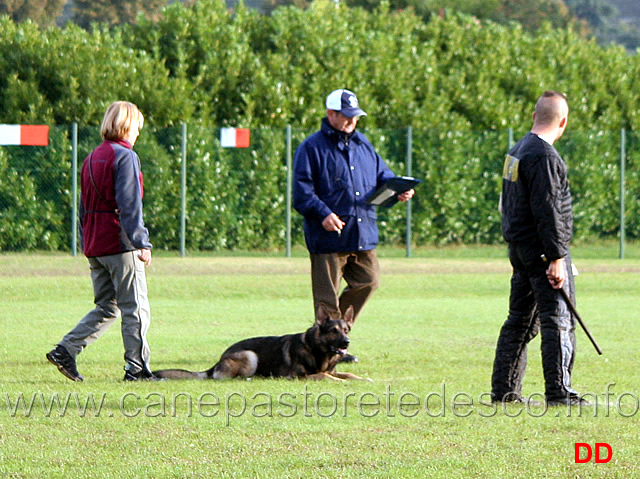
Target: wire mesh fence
200, 196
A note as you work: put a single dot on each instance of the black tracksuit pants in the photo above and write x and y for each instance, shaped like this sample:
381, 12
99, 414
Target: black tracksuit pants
534, 306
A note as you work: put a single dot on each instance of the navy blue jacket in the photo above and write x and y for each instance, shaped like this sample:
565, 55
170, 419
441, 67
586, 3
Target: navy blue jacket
331, 175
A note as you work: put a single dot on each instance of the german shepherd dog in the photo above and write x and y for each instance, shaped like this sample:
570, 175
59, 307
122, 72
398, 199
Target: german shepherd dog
309, 355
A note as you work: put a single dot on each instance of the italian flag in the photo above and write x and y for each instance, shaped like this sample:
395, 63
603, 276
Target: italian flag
26, 135
234, 137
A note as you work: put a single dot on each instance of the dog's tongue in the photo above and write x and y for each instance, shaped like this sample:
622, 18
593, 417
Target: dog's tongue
342, 351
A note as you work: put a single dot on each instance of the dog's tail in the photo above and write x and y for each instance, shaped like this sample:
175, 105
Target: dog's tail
180, 374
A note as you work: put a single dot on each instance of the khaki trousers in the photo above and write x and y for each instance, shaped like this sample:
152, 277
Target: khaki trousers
359, 270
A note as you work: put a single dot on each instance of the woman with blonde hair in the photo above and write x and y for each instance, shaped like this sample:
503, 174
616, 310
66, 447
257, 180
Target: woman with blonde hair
116, 243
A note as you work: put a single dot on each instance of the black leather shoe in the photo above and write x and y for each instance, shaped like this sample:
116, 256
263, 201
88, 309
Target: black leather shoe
65, 363
348, 358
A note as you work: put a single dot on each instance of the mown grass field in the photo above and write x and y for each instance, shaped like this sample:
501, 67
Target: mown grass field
426, 340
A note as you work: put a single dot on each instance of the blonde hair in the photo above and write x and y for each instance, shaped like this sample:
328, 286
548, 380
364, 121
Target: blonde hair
120, 118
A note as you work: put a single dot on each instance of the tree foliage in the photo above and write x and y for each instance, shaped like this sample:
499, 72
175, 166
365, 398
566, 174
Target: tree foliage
114, 12
41, 12
606, 22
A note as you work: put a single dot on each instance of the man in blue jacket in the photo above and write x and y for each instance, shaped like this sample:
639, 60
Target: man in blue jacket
335, 172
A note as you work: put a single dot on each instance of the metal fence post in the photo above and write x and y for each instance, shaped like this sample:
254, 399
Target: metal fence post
74, 189
183, 190
409, 172
289, 180
623, 148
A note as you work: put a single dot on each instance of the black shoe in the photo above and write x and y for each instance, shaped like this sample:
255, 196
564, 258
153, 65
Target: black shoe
348, 358
140, 376
517, 399
569, 401
65, 363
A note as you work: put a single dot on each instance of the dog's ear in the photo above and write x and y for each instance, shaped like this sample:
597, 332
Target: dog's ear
322, 315
349, 316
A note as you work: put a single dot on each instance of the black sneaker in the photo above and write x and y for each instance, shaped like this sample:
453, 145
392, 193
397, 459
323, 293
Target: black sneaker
140, 376
569, 401
348, 358
517, 399
65, 363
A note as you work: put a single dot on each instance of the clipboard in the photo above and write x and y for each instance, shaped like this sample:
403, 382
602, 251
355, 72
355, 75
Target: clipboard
387, 194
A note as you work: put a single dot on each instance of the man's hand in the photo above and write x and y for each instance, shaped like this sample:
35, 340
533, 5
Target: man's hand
406, 196
145, 256
332, 222
556, 273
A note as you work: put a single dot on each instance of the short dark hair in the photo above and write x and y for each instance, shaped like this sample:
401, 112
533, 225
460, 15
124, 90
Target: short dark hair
547, 111
554, 93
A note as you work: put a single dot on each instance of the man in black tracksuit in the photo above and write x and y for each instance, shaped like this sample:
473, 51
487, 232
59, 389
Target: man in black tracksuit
537, 224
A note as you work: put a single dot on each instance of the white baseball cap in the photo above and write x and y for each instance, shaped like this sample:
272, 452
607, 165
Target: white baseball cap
345, 102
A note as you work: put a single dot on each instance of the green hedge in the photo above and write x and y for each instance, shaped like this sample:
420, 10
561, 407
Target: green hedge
459, 83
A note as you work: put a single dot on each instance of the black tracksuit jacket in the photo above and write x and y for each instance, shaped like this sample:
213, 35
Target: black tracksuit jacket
536, 200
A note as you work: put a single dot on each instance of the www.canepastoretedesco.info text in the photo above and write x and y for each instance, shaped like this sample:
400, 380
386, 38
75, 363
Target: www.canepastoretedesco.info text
367, 404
